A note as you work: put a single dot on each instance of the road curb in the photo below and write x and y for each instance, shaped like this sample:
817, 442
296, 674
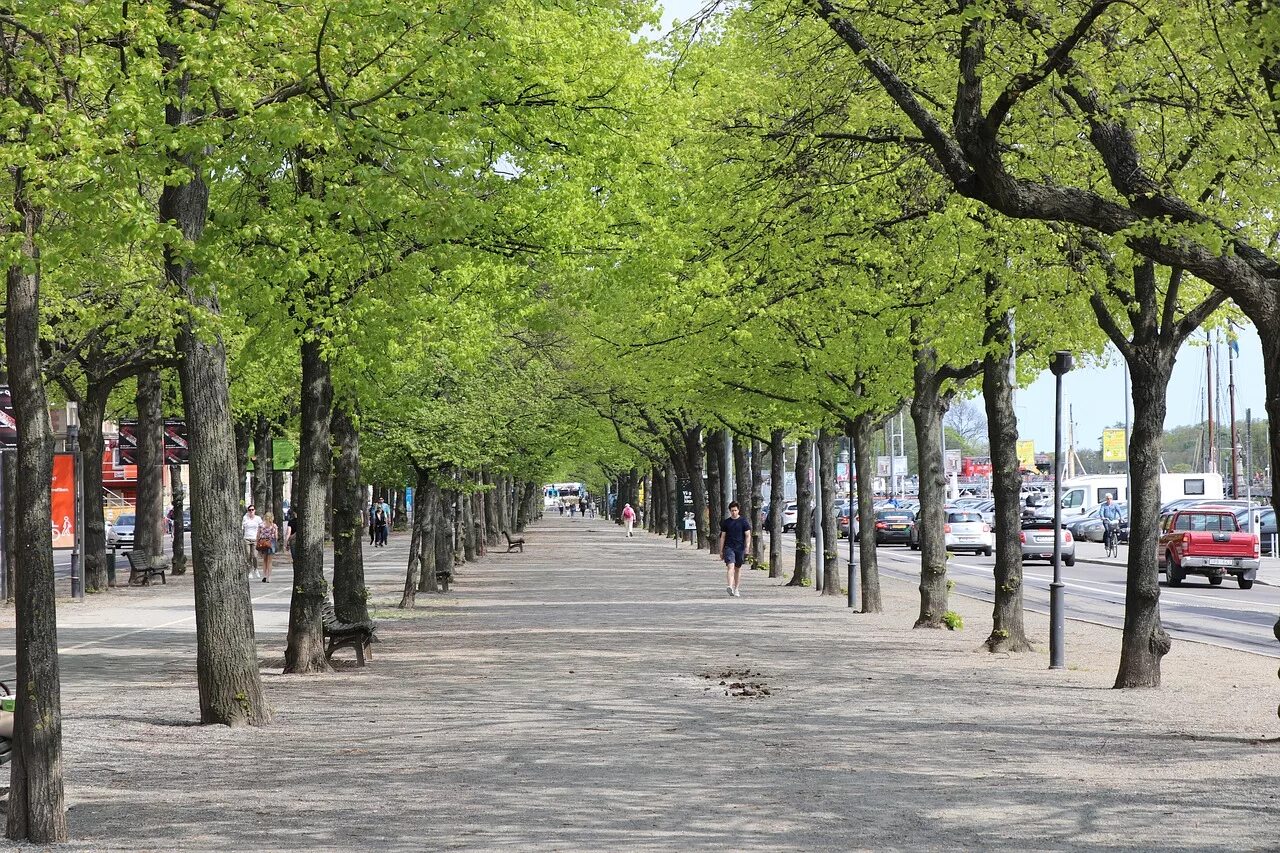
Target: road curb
1121, 564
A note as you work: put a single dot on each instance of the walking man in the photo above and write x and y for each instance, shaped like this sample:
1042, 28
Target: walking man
735, 539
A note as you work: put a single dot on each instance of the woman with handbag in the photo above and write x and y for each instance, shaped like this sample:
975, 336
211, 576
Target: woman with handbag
268, 534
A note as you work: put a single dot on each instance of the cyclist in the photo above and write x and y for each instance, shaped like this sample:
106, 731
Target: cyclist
1110, 515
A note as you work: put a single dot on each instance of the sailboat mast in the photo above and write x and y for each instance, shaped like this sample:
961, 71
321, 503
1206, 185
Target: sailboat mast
1231, 393
1211, 464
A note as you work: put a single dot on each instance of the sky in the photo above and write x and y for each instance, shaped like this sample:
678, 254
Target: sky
1095, 393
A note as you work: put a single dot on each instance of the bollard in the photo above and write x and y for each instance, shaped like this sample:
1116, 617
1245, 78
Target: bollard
850, 587
111, 568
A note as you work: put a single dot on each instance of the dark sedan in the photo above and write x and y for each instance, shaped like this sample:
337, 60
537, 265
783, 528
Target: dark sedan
1266, 526
894, 526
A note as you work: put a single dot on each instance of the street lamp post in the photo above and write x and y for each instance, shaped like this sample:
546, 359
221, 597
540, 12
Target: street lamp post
1060, 365
853, 547
73, 442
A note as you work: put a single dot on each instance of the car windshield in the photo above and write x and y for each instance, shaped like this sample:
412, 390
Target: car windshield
963, 517
125, 521
895, 516
1219, 521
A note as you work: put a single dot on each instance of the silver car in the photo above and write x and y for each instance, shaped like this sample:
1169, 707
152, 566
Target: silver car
1037, 541
120, 533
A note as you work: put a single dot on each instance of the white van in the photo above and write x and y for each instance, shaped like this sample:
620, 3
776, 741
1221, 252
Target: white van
1081, 494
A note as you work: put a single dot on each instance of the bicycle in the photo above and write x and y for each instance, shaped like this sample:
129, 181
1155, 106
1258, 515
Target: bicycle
1111, 538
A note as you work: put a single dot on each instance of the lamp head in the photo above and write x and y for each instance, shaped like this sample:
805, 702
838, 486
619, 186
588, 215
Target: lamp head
1061, 363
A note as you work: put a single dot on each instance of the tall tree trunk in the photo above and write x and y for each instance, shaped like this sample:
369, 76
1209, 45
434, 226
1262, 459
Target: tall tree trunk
305, 650
350, 597
742, 474
179, 532
244, 436
399, 511
443, 536
10, 521
277, 497
830, 566
92, 445
671, 482
693, 468
1008, 633
804, 513
148, 533
226, 655
37, 806
262, 465
927, 409
716, 475
492, 521
757, 501
777, 498
424, 500
868, 568
1144, 641
1271, 375
468, 528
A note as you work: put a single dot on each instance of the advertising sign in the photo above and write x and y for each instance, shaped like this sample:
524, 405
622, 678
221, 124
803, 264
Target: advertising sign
1113, 446
953, 462
127, 446
176, 451
1027, 453
8, 424
62, 493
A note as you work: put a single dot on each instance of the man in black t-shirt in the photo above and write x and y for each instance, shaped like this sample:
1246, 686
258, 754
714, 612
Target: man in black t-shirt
735, 539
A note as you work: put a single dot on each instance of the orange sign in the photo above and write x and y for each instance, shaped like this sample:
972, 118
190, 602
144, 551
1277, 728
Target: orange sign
62, 495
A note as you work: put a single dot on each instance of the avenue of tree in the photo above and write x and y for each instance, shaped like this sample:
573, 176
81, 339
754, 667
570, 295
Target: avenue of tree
470, 248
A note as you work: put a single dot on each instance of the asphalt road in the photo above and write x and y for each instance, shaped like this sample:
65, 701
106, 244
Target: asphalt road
1224, 615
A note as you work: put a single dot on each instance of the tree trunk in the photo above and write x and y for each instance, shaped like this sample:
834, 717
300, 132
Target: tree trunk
148, 535
671, 482
37, 805
262, 464
244, 435
424, 499
277, 497
468, 528
305, 650
804, 513
92, 445
742, 474
1144, 642
1271, 375
715, 488
179, 566
226, 656
868, 568
10, 521
350, 597
927, 409
777, 498
492, 521
443, 537
693, 467
1008, 633
757, 501
830, 566
399, 511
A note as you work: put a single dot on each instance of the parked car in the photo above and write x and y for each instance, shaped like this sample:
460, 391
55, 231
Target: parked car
1202, 540
894, 526
963, 530
1089, 527
789, 514
1266, 526
1037, 541
120, 533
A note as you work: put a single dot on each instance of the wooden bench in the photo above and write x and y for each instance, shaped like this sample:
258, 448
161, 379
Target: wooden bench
337, 634
443, 578
514, 544
141, 569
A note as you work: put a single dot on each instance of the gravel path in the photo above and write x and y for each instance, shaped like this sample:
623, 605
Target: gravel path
571, 698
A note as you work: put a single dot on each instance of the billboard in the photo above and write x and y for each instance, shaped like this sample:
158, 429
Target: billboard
62, 495
8, 423
1027, 454
176, 450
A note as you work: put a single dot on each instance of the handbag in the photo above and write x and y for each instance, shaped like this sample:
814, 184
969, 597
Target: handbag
264, 540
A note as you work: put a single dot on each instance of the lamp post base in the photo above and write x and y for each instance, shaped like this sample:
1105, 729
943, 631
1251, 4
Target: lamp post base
1057, 626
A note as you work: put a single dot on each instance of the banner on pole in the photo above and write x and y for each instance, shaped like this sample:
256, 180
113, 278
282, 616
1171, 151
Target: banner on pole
62, 501
1113, 446
1027, 453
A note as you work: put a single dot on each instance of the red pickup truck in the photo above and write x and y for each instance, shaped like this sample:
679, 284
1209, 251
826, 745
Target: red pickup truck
1207, 541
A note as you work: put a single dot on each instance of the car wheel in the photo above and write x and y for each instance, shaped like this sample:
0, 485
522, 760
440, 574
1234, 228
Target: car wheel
987, 552
1173, 572
1216, 580
1069, 561
913, 546
1244, 582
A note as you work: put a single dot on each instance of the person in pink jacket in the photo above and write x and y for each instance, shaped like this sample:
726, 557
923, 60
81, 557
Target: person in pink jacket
628, 517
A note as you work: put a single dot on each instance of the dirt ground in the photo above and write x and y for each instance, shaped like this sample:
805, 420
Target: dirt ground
599, 692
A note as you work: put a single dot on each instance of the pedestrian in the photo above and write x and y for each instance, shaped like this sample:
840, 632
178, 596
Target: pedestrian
560, 508
735, 539
291, 527
386, 511
628, 517
250, 524
379, 526
373, 528
573, 510
268, 535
